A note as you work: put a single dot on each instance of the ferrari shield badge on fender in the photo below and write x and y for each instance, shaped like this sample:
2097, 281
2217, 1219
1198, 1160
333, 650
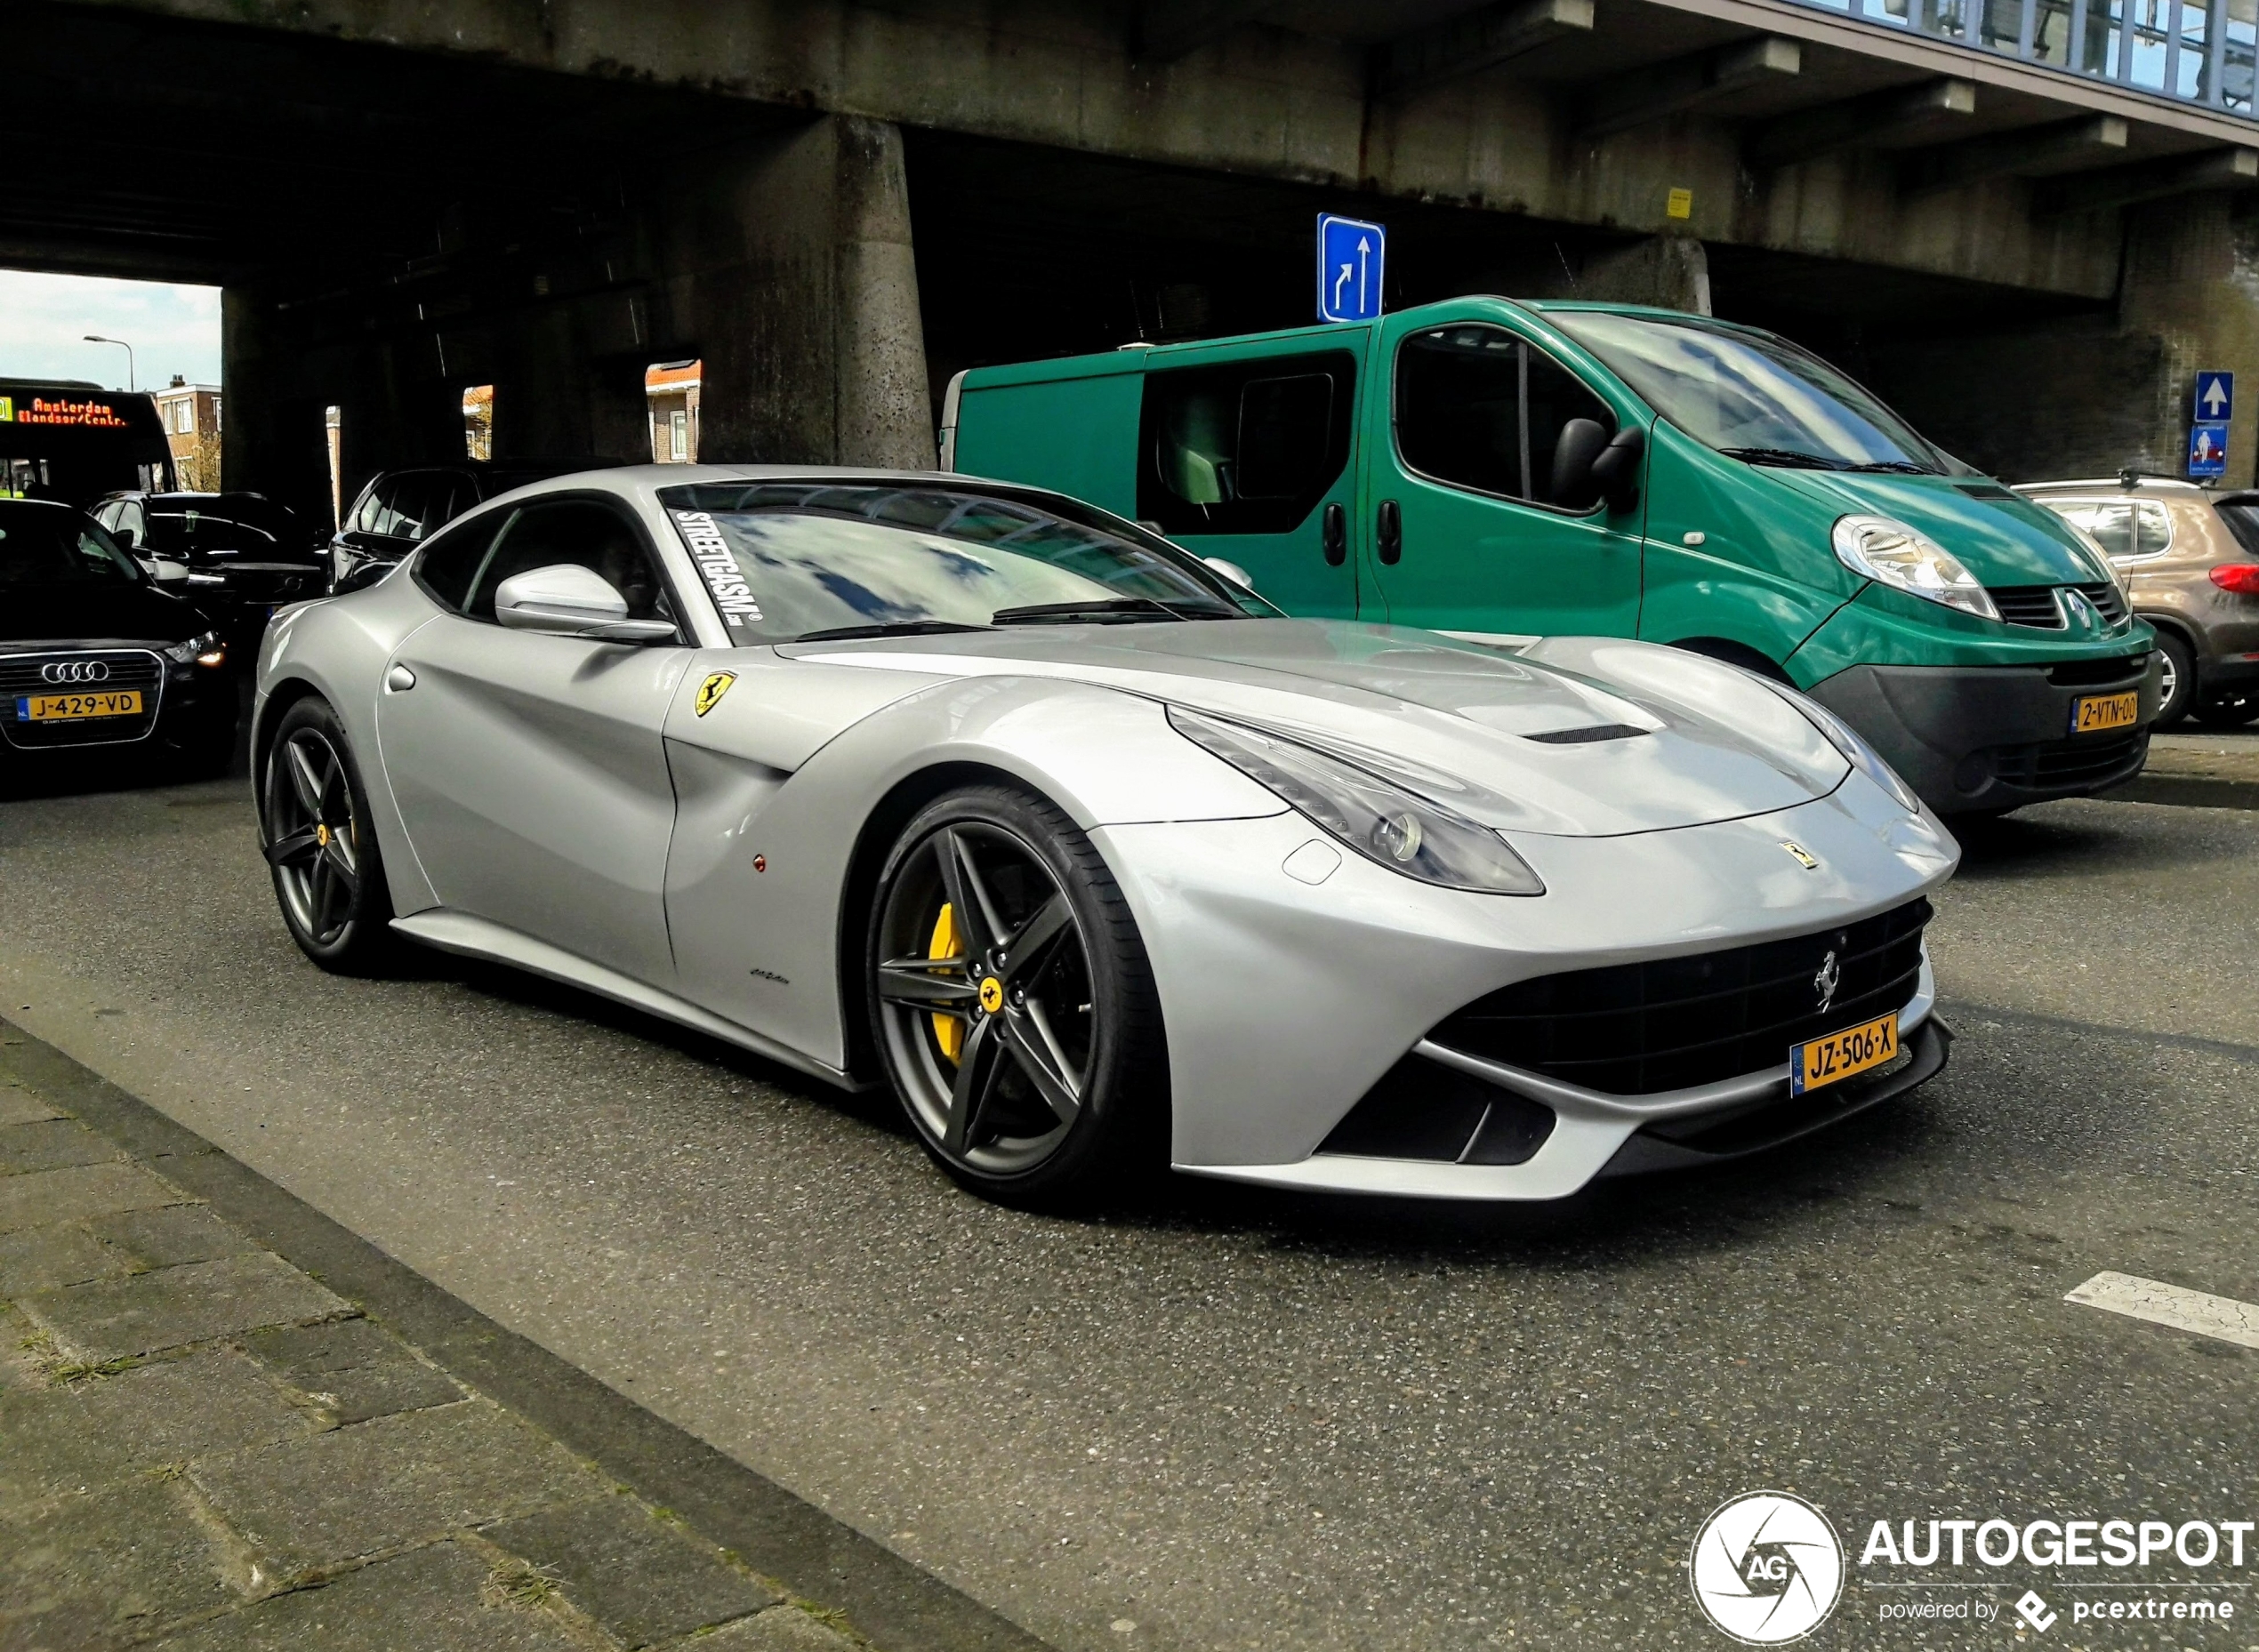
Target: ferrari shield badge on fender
711, 690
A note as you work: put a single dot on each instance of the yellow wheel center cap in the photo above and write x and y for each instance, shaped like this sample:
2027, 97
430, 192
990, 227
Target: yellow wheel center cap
321, 834
991, 994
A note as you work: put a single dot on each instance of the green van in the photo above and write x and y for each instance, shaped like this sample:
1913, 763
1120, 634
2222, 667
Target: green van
1500, 472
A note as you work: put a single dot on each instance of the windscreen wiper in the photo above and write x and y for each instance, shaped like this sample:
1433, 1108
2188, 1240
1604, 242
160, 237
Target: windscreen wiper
1786, 456
1893, 467
890, 628
1117, 611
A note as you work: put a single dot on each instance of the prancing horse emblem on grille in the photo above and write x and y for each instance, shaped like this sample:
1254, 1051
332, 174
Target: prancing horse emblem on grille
74, 671
1830, 977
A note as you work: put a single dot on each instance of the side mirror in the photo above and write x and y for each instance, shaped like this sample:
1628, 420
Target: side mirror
1616, 472
1581, 442
570, 600
1232, 571
126, 537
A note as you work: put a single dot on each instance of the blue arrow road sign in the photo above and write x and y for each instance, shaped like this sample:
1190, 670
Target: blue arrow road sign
2207, 450
2215, 397
1351, 254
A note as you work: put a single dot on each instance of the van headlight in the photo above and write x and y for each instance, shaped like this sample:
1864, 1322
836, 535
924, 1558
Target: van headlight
1855, 750
1903, 558
1380, 820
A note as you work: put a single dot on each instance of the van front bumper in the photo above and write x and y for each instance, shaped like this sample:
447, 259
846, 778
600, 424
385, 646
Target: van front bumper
1972, 739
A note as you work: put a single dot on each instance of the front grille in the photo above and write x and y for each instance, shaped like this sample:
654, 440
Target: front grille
2064, 765
19, 678
2127, 668
2038, 607
2108, 601
1634, 1028
2028, 605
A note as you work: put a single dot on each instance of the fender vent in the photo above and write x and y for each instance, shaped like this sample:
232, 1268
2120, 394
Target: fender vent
1587, 736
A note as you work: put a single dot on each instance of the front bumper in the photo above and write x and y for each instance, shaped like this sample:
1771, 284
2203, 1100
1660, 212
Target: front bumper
1970, 739
1287, 1003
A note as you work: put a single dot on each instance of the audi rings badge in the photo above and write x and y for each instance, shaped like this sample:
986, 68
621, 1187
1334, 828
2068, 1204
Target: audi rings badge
74, 671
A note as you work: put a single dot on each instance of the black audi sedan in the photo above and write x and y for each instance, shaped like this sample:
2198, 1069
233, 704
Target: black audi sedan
239, 556
96, 659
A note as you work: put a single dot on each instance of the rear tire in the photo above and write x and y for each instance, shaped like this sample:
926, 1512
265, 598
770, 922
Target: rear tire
320, 849
1012, 1003
2180, 679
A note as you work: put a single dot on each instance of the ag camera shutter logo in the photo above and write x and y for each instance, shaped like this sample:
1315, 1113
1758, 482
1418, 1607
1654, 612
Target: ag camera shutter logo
1767, 1569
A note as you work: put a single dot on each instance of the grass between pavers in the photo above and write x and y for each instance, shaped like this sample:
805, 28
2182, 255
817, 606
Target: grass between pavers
510, 1583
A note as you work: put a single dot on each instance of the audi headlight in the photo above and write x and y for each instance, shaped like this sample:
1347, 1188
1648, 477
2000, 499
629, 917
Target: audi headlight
1894, 555
1380, 820
1856, 751
206, 650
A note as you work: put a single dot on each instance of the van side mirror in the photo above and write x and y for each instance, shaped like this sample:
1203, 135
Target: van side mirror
1616, 472
1579, 444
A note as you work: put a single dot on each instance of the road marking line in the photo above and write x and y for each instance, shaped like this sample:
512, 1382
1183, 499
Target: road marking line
2223, 1317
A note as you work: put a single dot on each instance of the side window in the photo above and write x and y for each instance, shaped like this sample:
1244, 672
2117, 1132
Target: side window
577, 531
2112, 525
1249, 448
378, 514
1478, 408
2152, 530
448, 565
413, 518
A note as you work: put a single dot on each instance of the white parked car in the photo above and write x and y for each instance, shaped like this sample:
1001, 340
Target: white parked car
1097, 860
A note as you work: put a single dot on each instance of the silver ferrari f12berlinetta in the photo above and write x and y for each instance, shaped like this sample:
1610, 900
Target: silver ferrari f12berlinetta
1089, 854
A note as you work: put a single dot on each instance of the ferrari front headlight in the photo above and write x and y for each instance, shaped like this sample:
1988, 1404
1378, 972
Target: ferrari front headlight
1386, 823
1906, 559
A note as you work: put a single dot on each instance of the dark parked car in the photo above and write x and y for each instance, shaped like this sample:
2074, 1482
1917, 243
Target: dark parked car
399, 510
239, 556
94, 655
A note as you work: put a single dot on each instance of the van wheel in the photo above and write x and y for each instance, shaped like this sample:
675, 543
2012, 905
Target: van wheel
2180, 679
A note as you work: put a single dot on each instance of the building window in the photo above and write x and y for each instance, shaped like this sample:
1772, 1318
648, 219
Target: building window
479, 422
670, 393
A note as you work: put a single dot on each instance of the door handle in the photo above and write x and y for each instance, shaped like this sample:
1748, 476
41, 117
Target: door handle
1389, 531
1334, 535
398, 680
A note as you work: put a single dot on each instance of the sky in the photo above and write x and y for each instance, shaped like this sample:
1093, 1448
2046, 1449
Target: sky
44, 319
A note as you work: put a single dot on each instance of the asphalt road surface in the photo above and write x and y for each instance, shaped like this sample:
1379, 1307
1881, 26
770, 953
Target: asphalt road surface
1239, 1420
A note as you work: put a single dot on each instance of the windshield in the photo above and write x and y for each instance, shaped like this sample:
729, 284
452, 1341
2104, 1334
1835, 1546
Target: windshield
242, 527
787, 560
48, 545
1750, 395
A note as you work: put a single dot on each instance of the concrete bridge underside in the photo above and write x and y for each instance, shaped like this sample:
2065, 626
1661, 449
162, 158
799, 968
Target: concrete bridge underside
834, 206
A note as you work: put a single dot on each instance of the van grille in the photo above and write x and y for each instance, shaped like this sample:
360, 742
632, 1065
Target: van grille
19, 678
1671, 1023
2028, 605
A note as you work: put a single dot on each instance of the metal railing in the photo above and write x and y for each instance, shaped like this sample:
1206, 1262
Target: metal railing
2199, 51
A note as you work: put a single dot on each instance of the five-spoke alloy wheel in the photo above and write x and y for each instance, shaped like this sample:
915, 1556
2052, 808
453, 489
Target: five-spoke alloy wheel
314, 824
1012, 1003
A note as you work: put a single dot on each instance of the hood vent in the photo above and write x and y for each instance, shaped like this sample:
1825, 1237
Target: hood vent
1586, 736
1984, 490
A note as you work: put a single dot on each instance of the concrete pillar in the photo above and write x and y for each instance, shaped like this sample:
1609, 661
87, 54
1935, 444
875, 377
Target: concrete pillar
274, 437
785, 264
1672, 271
2192, 283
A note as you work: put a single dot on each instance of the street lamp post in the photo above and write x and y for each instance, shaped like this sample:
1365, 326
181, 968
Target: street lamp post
96, 337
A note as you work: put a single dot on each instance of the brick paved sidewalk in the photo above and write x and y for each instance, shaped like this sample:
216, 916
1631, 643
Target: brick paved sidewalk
202, 1447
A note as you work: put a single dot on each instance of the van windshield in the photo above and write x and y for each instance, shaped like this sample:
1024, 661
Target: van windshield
1751, 395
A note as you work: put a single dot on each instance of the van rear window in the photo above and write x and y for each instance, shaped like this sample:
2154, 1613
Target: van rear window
1248, 448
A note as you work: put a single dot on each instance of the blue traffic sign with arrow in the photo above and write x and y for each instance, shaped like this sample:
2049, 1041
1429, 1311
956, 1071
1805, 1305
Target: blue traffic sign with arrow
2215, 397
1351, 256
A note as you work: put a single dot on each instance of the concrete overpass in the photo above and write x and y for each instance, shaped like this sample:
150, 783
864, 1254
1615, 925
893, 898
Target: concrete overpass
2027, 221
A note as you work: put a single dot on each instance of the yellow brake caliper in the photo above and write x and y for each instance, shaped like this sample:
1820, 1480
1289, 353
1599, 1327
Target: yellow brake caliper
949, 1033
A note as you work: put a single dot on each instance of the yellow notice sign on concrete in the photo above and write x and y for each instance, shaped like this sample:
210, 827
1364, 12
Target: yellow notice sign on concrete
1680, 204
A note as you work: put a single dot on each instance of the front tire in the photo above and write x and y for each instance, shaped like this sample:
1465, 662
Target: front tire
1012, 1002
314, 830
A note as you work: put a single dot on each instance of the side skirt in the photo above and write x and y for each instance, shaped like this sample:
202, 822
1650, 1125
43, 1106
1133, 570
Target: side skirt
467, 936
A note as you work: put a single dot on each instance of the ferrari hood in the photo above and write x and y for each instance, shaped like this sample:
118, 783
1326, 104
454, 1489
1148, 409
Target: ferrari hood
1573, 736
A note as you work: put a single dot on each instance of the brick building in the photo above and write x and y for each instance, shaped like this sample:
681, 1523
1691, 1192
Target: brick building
190, 415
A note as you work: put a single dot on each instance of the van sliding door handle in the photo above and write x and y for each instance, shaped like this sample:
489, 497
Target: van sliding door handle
1334, 535
1389, 531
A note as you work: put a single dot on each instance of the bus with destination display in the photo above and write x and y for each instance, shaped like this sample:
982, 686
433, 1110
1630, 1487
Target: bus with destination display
73, 441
